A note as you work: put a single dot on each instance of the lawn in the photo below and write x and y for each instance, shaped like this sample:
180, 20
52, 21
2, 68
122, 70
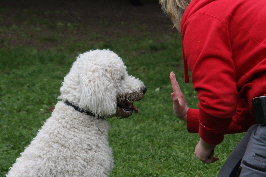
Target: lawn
38, 53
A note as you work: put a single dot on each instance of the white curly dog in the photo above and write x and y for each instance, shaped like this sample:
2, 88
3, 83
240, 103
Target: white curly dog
73, 142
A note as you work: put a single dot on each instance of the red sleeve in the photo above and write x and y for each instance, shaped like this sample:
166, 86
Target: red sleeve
240, 122
193, 126
206, 45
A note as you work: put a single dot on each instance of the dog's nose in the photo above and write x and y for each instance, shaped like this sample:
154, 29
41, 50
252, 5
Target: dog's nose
144, 90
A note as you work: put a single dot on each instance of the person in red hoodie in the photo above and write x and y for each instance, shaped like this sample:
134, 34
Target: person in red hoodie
224, 47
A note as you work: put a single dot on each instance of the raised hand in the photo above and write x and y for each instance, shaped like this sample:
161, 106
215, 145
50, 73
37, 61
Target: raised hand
179, 102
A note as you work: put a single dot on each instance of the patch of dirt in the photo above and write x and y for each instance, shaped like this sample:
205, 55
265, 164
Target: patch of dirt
45, 24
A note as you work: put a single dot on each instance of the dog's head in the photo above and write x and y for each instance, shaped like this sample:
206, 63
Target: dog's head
98, 82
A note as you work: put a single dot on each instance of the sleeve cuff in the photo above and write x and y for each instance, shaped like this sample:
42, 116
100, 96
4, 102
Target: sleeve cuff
212, 129
193, 120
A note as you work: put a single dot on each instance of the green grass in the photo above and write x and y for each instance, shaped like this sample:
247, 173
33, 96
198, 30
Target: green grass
152, 143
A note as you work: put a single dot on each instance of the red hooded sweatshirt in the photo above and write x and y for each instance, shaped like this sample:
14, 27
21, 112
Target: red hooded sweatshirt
224, 46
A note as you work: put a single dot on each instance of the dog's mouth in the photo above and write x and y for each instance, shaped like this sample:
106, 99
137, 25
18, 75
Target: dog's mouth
127, 106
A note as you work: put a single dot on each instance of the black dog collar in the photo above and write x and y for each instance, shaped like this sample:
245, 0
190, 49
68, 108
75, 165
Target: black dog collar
82, 110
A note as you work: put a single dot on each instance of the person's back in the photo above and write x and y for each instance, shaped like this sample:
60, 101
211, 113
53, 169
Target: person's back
228, 37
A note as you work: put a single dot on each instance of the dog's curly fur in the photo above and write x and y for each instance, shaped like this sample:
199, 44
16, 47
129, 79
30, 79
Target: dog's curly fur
72, 143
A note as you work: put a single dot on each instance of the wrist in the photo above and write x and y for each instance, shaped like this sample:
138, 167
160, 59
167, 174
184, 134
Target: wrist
206, 145
181, 115
184, 118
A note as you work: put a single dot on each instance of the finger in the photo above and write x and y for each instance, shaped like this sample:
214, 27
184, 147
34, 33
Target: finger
211, 154
211, 160
175, 85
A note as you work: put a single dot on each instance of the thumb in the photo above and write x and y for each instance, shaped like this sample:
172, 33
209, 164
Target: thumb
211, 158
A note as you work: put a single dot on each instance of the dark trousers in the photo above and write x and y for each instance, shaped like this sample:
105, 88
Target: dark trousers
231, 167
254, 160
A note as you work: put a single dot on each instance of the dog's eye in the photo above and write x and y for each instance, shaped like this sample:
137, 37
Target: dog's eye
122, 78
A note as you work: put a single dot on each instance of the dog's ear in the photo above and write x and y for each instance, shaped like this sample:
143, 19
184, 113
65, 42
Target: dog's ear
97, 93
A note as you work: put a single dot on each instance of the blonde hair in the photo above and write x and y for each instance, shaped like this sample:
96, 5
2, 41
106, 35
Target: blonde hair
174, 9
